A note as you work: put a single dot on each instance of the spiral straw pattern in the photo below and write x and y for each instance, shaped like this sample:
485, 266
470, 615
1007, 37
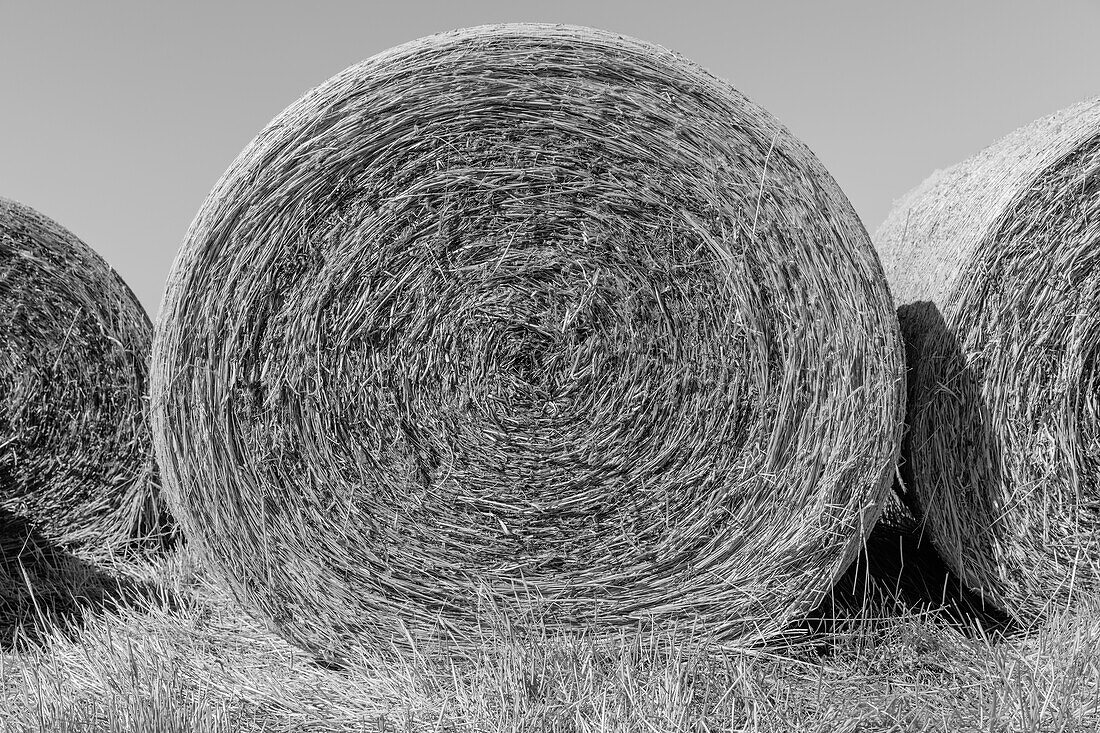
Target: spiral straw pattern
76, 454
526, 324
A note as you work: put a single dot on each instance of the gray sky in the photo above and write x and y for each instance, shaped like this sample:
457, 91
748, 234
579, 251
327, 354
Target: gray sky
116, 118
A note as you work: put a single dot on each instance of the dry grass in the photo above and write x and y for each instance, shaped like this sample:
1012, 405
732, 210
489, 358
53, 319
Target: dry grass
531, 323
995, 264
76, 456
181, 655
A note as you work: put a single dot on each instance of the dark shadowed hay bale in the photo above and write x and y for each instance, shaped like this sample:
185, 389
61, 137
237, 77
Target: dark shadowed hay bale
531, 321
996, 266
76, 457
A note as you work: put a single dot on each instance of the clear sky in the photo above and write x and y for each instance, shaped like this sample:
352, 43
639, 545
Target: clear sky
116, 118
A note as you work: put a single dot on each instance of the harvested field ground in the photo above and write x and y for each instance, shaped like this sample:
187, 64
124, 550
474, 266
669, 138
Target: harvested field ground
154, 644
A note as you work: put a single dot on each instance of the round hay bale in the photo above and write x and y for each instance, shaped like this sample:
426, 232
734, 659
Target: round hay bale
995, 264
530, 323
76, 456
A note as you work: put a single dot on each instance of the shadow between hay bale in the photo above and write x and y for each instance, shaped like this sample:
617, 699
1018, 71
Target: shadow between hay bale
526, 325
926, 337
76, 456
899, 573
45, 589
995, 264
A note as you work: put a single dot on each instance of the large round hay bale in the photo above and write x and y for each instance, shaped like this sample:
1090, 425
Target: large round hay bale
76, 456
533, 323
996, 266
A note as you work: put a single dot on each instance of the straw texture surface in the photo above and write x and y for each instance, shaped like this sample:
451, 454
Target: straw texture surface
995, 264
526, 323
76, 455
